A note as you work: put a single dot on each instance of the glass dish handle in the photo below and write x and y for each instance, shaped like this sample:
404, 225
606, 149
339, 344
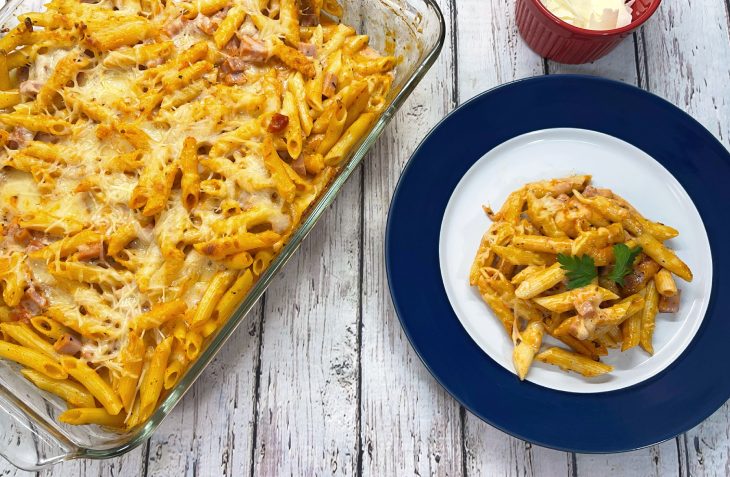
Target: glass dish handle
25, 443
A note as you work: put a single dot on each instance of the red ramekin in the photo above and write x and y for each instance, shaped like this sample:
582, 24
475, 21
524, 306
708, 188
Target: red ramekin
551, 37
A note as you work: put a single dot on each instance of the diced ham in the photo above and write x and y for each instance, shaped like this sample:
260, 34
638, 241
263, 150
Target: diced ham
252, 49
582, 329
298, 165
36, 298
591, 191
20, 235
67, 344
308, 19
20, 314
19, 137
234, 78
30, 87
233, 64
45, 137
232, 46
206, 24
232, 69
34, 245
90, 251
175, 26
307, 49
669, 304
31, 304
329, 85
278, 123
586, 308
209, 25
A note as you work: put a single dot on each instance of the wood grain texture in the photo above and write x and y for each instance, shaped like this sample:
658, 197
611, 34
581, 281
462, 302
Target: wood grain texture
307, 403
211, 431
685, 50
706, 446
659, 461
488, 57
684, 53
620, 64
490, 451
320, 379
409, 425
132, 463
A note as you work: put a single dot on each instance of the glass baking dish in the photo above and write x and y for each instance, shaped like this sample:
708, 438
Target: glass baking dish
32, 436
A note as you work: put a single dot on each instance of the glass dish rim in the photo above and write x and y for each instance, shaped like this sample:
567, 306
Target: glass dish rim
138, 436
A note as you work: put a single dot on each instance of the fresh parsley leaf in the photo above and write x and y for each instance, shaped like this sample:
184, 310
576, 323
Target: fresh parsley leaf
624, 262
580, 270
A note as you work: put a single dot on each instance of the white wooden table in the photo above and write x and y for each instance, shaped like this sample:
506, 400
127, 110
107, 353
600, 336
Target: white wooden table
321, 380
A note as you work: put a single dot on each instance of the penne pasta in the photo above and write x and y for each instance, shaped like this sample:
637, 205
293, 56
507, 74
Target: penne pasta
563, 260
577, 363
96, 385
73, 393
96, 415
153, 380
528, 344
157, 157
32, 359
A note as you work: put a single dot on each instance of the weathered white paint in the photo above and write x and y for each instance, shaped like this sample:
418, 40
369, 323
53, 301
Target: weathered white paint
618, 65
320, 380
307, 403
490, 50
211, 430
684, 54
129, 464
621, 65
660, 461
488, 57
409, 425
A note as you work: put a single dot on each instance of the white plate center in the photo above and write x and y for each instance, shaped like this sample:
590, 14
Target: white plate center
614, 164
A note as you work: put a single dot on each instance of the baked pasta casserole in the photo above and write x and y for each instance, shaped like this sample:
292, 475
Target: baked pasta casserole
156, 156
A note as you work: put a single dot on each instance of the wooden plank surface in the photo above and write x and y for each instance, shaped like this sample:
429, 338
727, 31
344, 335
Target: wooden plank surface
211, 430
409, 425
685, 55
488, 58
320, 379
306, 418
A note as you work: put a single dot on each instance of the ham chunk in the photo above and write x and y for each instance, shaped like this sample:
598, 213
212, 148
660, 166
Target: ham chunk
90, 251
586, 308
67, 344
19, 137
30, 87
253, 50
669, 304
32, 304
307, 49
233, 64
299, 166
591, 191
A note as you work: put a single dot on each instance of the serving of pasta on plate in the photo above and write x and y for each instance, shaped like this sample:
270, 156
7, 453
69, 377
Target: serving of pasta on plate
156, 156
580, 264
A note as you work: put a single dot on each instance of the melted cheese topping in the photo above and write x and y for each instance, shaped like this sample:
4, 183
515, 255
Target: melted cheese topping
68, 192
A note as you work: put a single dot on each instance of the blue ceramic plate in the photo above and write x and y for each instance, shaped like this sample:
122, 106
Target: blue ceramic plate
650, 152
